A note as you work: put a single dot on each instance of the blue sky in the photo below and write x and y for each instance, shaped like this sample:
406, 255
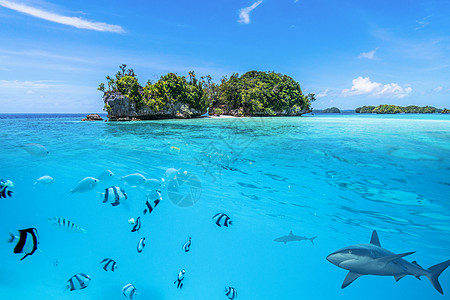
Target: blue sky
54, 54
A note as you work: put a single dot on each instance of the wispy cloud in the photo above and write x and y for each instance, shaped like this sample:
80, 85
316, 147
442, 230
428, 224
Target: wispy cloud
37, 84
53, 17
423, 22
322, 94
368, 55
363, 86
244, 13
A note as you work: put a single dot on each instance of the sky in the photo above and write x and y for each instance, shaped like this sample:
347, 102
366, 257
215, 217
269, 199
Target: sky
349, 53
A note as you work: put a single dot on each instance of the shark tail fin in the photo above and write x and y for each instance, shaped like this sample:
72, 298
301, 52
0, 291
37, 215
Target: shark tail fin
435, 271
312, 239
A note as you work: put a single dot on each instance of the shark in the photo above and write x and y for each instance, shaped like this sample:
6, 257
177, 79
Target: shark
292, 238
372, 259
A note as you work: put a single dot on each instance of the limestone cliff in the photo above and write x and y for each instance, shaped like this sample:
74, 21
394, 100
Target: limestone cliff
120, 108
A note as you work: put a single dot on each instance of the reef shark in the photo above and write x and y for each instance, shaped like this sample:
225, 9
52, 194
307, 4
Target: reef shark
372, 259
292, 238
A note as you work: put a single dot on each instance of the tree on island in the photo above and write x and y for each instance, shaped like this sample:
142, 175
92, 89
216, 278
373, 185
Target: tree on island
332, 110
394, 109
254, 93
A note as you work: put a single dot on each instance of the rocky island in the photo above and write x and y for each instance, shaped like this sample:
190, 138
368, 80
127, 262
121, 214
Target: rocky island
395, 109
252, 94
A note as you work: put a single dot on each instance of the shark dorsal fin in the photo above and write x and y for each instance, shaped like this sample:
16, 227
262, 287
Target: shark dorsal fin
290, 233
415, 263
375, 240
387, 259
349, 279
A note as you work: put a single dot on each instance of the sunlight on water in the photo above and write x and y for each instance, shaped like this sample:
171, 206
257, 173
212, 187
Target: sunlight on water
337, 178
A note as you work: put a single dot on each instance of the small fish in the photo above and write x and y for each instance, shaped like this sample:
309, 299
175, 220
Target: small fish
137, 226
44, 180
36, 150
180, 278
230, 292
27, 241
4, 185
129, 291
105, 175
114, 195
171, 173
135, 179
174, 149
152, 184
85, 184
187, 245
55, 263
109, 264
63, 223
141, 245
222, 220
149, 208
78, 282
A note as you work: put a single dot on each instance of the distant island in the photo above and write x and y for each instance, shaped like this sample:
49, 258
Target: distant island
331, 110
394, 109
253, 94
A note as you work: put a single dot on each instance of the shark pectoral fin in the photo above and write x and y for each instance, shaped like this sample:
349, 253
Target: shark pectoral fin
387, 259
374, 240
398, 277
350, 278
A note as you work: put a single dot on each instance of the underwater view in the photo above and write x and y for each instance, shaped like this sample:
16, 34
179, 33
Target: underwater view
225, 208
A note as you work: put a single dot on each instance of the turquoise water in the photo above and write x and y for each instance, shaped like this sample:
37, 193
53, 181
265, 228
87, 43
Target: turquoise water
335, 177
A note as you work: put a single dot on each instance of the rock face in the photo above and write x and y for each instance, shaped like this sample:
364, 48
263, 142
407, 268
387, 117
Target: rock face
223, 110
120, 108
93, 117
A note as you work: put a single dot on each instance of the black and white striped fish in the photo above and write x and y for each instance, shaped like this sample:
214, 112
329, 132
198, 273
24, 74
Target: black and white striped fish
141, 245
63, 223
222, 220
114, 195
150, 204
4, 185
78, 282
27, 241
129, 291
179, 281
109, 264
137, 225
230, 292
187, 245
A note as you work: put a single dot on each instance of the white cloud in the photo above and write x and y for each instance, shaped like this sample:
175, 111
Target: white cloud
438, 89
322, 94
53, 17
244, 13
37, 84
368, 55
423, 23
363, 86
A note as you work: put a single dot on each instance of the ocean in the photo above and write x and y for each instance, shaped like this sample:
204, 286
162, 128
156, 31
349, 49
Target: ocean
337, 177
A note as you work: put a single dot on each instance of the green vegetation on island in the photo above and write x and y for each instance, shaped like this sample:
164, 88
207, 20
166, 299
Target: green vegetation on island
331, 110
254, 93
394, 109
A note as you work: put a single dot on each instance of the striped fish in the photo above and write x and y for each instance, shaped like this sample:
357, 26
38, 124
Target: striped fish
141, 245
78, 282
137, 225
153, 199
187, 245
222, 220
27, 241
109, 264
179, 281
114, 195
65, 224
129, 291
4, 188
230, 292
